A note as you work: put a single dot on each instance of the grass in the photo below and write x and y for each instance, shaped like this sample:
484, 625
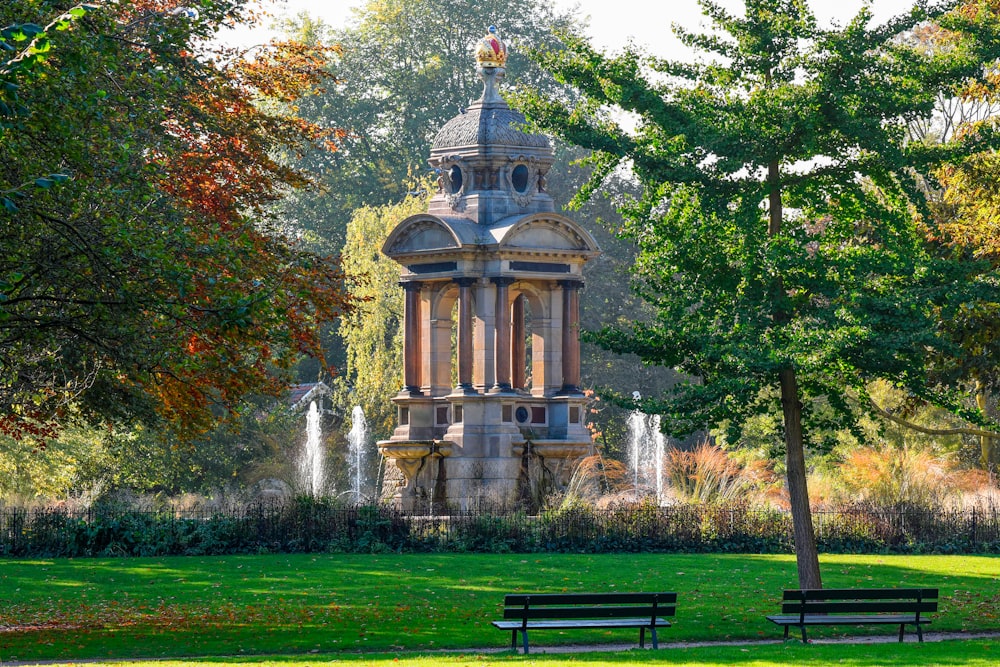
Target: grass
944, 654
340, 605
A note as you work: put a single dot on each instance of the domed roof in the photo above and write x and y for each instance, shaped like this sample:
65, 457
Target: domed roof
491, 125
488, 122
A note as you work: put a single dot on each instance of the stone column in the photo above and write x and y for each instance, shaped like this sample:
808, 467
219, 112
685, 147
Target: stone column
518, 357
465, 333
411, 337
571, 336
501, 358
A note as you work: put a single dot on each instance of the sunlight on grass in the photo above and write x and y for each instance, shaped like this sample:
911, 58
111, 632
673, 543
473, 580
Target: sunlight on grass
972, 566
174, 607
942, 654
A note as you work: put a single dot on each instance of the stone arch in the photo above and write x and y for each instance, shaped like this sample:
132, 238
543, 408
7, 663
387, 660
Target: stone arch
538, 310
439, 355
419, 233
549, 231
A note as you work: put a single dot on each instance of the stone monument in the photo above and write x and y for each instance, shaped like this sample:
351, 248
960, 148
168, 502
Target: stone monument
491, 412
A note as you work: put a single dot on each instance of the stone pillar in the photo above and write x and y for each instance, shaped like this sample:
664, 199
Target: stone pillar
411, 338
518, 355
502, 357
571, 336
441, 357
465, 334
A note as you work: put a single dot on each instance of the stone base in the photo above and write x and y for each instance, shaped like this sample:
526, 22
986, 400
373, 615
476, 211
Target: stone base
437, 476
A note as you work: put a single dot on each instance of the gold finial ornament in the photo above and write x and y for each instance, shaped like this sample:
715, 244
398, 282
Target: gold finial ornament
491, 52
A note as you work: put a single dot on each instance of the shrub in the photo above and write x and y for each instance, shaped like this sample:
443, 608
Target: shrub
708, 474
317, 525
889, 476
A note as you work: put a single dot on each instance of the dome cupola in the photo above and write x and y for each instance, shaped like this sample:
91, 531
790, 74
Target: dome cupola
489, 167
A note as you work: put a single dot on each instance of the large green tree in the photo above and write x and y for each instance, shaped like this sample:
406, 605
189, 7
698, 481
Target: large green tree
146, 280
779, 216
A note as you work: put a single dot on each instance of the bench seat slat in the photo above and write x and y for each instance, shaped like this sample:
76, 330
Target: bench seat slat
888, 619
583, 623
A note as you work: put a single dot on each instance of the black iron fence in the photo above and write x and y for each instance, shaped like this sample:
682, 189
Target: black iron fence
308, 525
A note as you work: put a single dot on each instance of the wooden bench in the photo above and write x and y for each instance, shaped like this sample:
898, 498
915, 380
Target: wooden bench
561, 611
856, 606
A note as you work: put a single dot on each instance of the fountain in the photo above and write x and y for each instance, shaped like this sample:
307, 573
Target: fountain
311, 464
357, 441
646, 448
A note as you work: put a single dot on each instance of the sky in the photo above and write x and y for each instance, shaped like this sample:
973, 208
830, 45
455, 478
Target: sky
612, 22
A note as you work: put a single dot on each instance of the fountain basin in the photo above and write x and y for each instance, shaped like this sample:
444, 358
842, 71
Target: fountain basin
561, 449
410, 455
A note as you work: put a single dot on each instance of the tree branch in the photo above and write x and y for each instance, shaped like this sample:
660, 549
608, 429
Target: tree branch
961, 430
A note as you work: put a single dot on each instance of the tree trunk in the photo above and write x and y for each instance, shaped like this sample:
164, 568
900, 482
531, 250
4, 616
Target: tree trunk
806, 554
988, 455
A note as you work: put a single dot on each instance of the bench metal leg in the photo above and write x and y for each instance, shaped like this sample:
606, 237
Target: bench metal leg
656, 644
642, 637
920, 633
804, 640
786, 631
902, 627
524, 636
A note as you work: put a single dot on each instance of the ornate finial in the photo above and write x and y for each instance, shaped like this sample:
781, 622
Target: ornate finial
491, 52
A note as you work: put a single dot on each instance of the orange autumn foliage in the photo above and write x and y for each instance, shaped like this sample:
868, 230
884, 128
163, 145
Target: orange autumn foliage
181, 294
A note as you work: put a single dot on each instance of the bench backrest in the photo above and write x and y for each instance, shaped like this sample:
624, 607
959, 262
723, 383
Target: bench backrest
860, 601
524, 606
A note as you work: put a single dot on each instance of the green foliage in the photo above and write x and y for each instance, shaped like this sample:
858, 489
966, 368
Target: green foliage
29, 471
85, 464
307, 524
373, 333
775, 222
24, 47
140, 279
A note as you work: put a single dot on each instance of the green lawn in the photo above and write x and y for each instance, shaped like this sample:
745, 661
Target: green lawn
945, 654
338, 605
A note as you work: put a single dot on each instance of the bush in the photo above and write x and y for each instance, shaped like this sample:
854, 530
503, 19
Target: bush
319, 524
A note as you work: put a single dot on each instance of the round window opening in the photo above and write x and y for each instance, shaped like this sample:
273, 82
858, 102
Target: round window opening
519, 178
455, 175
521, 414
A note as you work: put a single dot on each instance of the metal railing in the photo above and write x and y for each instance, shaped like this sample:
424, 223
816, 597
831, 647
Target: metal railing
306, 525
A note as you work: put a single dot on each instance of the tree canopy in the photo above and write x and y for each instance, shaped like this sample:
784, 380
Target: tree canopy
782, 212
148, 281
